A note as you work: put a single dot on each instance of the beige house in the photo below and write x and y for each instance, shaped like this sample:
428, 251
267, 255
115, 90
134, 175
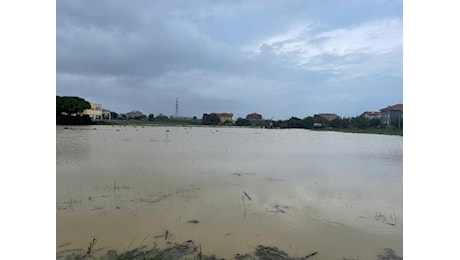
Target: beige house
225, 117
95, 112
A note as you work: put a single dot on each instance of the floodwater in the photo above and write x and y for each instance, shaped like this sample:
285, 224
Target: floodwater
229, 190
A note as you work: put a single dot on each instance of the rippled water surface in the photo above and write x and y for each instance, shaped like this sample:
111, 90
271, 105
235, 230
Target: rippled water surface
229, 189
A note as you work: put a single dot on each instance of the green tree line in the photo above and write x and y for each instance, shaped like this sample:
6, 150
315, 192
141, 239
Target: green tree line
68, 111
312, 122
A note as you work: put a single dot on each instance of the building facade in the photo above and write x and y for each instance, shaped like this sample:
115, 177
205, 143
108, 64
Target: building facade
224, 117
255, 119
372, 115
391, 114
95, 112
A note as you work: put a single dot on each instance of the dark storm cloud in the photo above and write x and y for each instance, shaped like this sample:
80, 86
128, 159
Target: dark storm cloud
234, 56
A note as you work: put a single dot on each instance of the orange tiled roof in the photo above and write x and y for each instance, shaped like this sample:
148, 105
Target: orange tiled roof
254, 114
394, 107
372, 113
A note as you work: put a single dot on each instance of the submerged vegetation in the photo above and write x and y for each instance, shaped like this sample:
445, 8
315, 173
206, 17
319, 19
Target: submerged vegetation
189, 250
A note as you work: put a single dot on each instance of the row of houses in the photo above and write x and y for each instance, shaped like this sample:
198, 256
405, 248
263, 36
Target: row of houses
97, 112
386, 115
253, 118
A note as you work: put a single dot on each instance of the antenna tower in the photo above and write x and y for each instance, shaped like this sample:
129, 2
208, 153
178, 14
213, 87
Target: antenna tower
177, 108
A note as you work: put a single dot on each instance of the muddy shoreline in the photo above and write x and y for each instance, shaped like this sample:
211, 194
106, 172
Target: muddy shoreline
190, 250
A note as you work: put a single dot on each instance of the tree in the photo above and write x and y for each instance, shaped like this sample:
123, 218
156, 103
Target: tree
151, 117
294, 122
211, 119
340, 123
71, 105
161, 117
308, 122
242, 122
346, 122
361, 122
375, 122
336, 123
67, 109
141, 117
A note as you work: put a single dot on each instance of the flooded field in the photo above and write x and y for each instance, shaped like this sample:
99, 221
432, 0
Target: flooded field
228, 190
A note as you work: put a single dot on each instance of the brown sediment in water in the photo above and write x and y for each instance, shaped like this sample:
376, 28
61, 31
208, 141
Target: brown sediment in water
227, 193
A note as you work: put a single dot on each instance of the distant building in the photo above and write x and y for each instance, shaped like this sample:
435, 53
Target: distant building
217, 118
255, 119
224, 117
329, 117
135, 115
95, 112
371, 115
391, 113
106, 114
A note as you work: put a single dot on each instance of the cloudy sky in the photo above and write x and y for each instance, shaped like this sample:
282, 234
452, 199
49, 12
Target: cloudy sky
277, 58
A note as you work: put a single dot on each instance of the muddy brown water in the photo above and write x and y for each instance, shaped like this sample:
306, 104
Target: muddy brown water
229, 190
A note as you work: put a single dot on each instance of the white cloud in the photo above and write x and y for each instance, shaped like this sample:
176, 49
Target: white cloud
302, 45
373, 38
